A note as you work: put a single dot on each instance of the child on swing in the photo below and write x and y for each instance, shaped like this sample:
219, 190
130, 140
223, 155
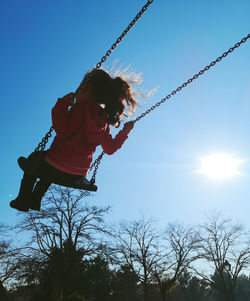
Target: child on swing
101, 101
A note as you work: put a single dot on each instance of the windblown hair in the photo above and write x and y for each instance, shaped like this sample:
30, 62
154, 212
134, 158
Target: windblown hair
115, 93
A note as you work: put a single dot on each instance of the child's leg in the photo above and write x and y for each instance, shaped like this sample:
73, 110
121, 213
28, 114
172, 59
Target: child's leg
39, 191
23, 199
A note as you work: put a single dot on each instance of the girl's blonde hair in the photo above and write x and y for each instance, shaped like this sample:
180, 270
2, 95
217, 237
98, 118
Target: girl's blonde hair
115, 93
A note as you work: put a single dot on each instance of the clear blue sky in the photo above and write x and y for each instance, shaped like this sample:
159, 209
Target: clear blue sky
46, 48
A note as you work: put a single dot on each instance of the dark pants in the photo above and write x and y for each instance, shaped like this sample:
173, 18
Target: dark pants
32, 191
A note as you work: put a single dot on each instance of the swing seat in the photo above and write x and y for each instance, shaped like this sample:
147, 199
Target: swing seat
32, 169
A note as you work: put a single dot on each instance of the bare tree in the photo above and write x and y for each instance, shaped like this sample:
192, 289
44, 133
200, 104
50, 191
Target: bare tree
62, 235
138, 246
8, 260
223, 242
179, 252
65, 218
8, 255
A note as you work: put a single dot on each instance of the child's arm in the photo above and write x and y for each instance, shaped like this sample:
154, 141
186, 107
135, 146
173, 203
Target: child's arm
111, 145
64, 121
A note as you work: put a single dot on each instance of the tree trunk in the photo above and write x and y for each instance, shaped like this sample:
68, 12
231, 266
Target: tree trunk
227, 297
163, 295
145, 292
3, 295
232, 294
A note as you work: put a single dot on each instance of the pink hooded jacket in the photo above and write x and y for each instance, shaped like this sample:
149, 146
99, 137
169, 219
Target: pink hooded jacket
78, 132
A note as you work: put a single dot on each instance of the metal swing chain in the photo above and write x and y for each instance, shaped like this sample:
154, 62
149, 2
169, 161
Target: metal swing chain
42, 144
189, 81
124, 33
131, 24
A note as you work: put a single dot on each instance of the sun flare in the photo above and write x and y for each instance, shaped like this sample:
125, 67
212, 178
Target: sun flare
220, 166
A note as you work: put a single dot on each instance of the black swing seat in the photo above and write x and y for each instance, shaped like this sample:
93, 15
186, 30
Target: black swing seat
83, 183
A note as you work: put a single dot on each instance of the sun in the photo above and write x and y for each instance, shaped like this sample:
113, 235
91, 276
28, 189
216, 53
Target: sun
220, 166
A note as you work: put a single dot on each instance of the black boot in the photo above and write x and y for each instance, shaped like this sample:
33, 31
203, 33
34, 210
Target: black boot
22, 201
37, 194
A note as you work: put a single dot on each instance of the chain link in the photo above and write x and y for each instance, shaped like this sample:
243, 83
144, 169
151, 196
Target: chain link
96, 165
42, 144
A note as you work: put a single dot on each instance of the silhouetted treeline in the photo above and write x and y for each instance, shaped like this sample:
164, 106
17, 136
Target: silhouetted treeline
71, 253
96, 281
